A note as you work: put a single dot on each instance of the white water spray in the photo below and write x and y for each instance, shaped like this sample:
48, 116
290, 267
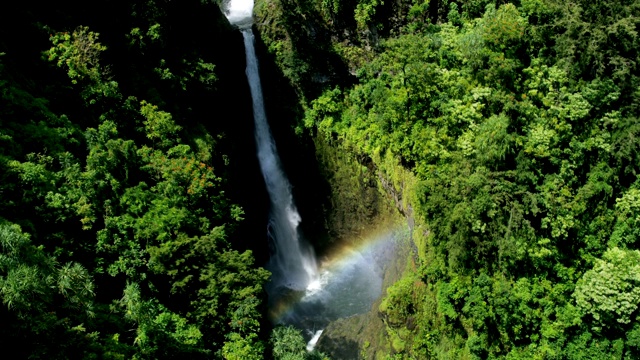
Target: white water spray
314, 340
239, 12
293, 263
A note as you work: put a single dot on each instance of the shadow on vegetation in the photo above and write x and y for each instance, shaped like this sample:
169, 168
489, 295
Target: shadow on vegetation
339, 348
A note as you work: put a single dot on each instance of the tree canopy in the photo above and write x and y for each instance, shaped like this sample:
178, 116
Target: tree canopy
506, 132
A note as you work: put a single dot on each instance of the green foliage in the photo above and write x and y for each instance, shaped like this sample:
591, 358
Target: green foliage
598, 39
42, 300
79, 52
628, 215
609, 292
507, 131
521, 146
239, 348
503, 27
398, 305
159, 125
364, 12
287, 343
160, 333
131, 252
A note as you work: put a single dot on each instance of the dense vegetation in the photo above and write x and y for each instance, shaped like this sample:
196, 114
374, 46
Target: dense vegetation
510, 132
506, 132
121, 230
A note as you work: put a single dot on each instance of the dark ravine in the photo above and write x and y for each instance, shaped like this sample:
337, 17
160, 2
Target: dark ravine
312, 297
292, 260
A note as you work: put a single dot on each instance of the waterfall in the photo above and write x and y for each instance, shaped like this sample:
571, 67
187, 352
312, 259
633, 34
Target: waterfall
299, 294
292, 263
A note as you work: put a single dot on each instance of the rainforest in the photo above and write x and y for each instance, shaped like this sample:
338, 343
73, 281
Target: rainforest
320, 179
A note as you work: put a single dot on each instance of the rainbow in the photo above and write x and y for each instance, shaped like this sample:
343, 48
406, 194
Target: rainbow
351, 272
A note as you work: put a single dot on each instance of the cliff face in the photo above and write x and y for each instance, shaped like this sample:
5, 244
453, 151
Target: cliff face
306, 48
364, 201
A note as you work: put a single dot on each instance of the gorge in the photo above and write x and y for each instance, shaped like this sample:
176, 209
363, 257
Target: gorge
301, 293
453, 179
293, 263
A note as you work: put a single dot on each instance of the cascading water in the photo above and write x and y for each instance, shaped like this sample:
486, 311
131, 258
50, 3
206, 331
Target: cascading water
298, 294
293, 263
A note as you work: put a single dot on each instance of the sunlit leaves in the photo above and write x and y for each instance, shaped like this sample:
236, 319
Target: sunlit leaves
159, 125
287, 343
524, 158
627, 228
238, 347
492, 141
160, 333
75, 284
79, 51
23, 287
504, 26
364, 12
610, 292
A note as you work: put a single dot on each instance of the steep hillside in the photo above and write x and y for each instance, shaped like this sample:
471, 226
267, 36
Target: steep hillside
517, 123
